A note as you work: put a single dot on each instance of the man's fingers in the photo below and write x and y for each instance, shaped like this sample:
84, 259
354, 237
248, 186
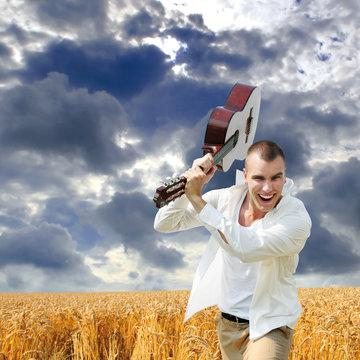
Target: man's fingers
205, 162
210, 173
212, 170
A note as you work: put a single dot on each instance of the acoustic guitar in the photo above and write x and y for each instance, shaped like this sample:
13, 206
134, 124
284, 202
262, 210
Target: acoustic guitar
229, 133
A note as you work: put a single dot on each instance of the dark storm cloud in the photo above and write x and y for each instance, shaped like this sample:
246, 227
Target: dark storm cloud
50, 118
201, 52
197, 20
337, 192
329, 122
326, 252
142, 24
252, 44
17, 33
175, 104
11, 222
48, 247
5, 60
192, 36
59, 211
131, 217
5, 51
76, 217
43, 258
146, 22
64, 14
100, 65
202, 59
34, 172
335, 197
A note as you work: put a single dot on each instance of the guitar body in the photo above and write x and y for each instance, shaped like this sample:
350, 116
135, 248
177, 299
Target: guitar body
240, 113
229, 134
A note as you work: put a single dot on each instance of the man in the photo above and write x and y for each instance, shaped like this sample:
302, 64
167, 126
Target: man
257, 231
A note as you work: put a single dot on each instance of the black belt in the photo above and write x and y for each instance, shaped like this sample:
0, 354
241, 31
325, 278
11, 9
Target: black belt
234, 318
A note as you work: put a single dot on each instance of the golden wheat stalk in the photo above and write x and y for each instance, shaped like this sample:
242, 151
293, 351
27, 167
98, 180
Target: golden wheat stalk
149, 326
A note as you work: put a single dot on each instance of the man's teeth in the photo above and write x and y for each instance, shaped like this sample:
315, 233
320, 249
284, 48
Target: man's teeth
266, 197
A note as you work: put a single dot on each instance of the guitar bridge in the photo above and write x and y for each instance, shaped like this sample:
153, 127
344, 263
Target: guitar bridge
248, 125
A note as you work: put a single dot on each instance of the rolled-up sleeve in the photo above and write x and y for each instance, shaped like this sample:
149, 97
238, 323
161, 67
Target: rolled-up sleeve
180, 214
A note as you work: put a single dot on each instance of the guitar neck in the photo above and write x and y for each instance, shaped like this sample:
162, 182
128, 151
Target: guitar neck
226, 148
175, 188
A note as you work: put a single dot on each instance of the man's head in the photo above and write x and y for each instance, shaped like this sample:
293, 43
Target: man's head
267, 150
265, 175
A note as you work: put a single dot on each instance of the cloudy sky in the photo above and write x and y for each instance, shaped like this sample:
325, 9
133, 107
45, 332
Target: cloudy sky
100, 100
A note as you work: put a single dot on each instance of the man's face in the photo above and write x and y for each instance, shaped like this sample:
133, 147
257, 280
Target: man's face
265, 181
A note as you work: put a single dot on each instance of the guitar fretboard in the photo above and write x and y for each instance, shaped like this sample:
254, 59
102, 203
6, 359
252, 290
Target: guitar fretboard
226, 148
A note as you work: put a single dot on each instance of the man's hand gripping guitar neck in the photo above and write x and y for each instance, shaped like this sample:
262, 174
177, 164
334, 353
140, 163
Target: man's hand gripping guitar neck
199, 174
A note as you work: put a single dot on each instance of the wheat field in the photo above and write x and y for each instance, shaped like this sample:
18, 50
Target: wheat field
149, 326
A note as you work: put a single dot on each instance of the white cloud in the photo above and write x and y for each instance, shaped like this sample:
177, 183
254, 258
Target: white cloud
115, 266
232, 14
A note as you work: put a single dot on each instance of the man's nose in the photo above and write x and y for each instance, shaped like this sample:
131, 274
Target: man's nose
267, 186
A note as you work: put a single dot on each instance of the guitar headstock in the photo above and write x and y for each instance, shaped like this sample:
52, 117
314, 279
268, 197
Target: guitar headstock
169, 191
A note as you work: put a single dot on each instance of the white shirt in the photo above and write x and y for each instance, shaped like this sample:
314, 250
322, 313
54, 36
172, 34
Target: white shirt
238, 279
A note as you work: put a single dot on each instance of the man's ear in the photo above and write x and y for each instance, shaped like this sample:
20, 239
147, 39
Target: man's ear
245, 176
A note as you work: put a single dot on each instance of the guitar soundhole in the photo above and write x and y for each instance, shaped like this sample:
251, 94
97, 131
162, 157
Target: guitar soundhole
248, 126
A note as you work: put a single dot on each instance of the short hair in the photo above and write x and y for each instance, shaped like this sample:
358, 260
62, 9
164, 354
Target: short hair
267, 150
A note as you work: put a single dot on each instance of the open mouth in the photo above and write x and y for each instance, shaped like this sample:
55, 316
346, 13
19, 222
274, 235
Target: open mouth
266, 197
